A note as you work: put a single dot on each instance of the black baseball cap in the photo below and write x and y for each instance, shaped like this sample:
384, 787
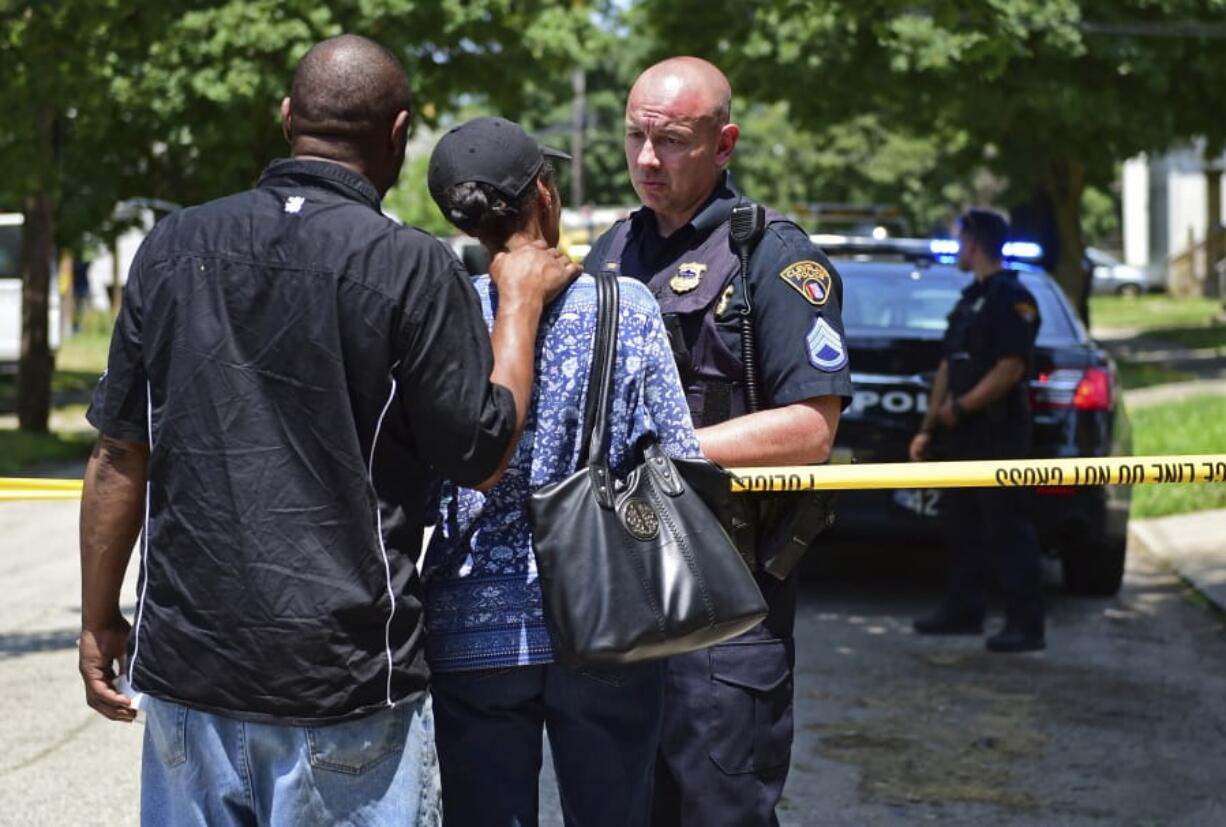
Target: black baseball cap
491, 151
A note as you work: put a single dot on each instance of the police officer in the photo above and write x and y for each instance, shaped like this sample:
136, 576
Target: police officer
979, 396
727, 734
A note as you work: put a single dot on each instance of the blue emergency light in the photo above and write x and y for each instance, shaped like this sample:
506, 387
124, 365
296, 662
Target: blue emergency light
1025, 250
1022, 249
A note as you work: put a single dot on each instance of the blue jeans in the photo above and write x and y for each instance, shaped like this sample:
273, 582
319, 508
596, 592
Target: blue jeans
203, 769
603, 727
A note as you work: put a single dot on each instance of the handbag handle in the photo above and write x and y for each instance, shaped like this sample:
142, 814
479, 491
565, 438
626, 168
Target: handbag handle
594, 449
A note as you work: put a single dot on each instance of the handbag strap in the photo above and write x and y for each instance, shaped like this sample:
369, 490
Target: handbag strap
594, 449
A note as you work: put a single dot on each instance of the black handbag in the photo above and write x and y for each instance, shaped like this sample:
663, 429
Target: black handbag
637, 568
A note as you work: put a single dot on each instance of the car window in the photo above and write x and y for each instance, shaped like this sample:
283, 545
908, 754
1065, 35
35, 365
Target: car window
1057, 326
10, 252
907, 300
1099, 258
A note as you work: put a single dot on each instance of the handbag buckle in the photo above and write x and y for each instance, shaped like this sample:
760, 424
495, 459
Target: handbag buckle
639, 519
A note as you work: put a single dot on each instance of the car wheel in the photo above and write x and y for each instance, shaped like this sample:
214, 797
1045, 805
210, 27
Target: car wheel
1094, 568
1129, 290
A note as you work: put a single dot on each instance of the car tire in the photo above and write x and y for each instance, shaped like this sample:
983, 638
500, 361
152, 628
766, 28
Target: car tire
1094, 569
1129, 290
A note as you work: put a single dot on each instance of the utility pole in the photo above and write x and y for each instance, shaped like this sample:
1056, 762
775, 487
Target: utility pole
578, 82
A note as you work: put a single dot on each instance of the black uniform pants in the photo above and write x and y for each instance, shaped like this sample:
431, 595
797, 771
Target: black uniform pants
727, 737
989, 534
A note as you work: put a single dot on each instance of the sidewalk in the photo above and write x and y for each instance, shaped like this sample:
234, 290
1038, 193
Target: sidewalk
1205, 367
1174, 392
1193, 545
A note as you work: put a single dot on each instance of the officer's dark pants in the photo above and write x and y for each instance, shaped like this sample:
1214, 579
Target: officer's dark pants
727, 737
603, 726
989, 535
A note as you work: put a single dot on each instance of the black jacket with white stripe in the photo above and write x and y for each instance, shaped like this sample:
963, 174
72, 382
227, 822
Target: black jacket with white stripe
303, 369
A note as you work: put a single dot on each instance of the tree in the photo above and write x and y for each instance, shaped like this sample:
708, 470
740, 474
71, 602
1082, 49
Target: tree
1051, 94
861, 160
179, 100
58, 59
778, 161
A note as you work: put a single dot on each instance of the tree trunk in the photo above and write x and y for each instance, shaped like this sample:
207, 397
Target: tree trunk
35, 368
116, 280
1063, 181
1213, 234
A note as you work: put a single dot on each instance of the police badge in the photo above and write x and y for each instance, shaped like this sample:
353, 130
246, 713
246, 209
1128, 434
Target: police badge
689, 276
810, 279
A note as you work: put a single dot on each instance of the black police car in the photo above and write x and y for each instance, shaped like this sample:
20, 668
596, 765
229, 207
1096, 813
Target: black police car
897, 294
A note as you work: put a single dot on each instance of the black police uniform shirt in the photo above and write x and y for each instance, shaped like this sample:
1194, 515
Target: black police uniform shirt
302, 367
994, 319
796, 296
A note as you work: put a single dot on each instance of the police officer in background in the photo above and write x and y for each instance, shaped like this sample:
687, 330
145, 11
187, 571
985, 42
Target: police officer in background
979, 395
727, 733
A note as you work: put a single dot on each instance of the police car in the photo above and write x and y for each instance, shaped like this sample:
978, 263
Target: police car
897, 294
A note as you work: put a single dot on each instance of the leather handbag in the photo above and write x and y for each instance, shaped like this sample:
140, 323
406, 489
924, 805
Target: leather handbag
637, 568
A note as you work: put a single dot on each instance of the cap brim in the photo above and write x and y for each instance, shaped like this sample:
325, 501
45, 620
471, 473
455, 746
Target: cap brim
550, 152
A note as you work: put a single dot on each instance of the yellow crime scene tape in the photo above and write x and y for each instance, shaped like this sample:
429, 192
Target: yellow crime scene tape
984, 474
17, 488
1201, 468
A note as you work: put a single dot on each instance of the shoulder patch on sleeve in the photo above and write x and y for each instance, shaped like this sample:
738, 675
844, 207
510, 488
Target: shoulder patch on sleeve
826, 348
1026, 310
810, 279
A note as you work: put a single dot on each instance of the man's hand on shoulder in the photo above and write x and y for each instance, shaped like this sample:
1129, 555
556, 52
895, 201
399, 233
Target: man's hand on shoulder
535, 271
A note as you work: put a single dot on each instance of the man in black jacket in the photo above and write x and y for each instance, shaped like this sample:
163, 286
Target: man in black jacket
290, 372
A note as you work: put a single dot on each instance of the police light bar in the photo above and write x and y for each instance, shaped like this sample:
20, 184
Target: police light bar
1021, 250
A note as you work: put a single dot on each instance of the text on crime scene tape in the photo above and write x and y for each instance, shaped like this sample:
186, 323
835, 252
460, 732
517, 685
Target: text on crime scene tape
984, 474
1034, 473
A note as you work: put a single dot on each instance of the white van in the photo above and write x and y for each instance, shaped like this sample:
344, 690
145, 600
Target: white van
10, 293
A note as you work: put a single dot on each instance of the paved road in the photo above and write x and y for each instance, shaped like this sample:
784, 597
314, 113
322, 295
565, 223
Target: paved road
60, 763
1120, 722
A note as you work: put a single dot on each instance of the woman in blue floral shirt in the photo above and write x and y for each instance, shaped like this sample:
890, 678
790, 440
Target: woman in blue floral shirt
495, 684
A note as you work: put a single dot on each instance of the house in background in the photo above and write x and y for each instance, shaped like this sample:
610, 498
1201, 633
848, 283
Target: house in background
1169, 204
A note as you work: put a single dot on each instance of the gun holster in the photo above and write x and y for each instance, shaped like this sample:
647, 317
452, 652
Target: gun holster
773, 531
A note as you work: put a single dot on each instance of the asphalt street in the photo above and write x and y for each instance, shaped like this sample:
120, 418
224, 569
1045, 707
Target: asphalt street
1120, 722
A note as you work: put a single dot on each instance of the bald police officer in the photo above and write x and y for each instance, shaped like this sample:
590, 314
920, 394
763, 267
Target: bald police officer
727, 735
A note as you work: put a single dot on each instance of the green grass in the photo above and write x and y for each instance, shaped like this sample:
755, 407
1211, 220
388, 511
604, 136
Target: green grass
78, 364
81, 359
1152, 311
19, 450
1213, 336
1195, 426
1135, 375
83, 353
